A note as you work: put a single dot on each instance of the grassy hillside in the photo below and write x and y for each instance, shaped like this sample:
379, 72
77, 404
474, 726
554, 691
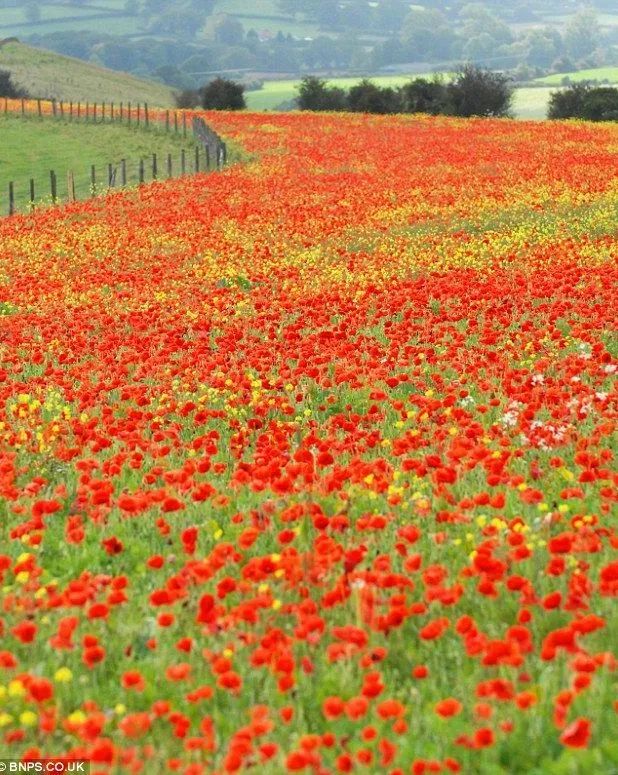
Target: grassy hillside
32, 147
46, 74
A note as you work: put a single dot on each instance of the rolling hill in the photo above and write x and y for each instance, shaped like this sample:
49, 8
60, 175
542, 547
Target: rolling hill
49, 75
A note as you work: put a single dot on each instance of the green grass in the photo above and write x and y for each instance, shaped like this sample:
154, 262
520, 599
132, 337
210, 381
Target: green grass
595, 74
531, 103
47, 75
31, 147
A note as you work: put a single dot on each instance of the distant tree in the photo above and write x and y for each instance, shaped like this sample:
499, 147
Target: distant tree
582, 35
366, 97
478, 19
357, 15
542, 47
391, 14
480, 48
476, 91
601, 104
427, 35
387, 53
174, 76
567, 103
562, 65
9, 89
187, 99
237, 58
116, 54
315, 94
223, 94
183, 23
229, 31
425, 96
581, 100
322, 52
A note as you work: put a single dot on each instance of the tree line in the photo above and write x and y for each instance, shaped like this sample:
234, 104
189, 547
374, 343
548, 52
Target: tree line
473, 91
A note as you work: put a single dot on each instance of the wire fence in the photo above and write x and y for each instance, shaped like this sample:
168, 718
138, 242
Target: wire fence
209, 152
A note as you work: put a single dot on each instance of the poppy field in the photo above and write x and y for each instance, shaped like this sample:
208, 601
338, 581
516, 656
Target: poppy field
309, 465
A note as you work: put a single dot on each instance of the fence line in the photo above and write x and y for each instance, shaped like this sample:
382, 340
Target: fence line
115, 177
210, 150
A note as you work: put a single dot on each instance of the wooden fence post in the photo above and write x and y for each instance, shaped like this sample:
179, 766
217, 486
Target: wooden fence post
61, 109
54, 108
11, 199
38, 102
94, 112
169, 165
121, 111
141, 171
23, 107
111, 108
167, 120
93, 180
103, 112
123, 172
207, 150
70, 186
32, 205
138, 114
54, 186
184, 125
146, 114
183, 161
129, 113
175, 122
154, 166
197, 158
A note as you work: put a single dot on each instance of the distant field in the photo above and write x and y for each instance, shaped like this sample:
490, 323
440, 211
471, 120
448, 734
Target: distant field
107, 15
531, 103
49, 75
31, 147
598, 73
263, 15
528, 103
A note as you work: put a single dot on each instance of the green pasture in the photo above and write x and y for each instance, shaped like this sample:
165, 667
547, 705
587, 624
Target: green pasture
31, 147
595, 74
